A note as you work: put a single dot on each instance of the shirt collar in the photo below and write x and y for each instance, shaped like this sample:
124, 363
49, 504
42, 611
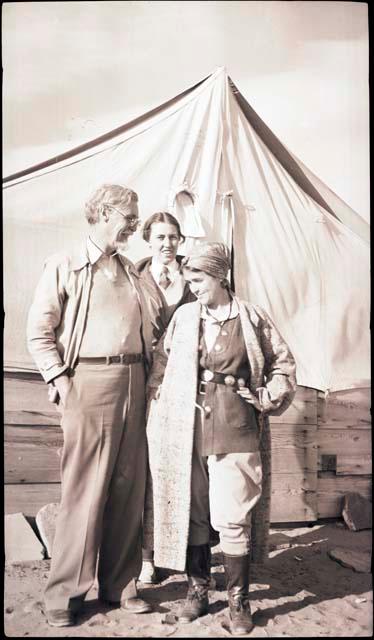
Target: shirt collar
89, 253
94, 253
156, 268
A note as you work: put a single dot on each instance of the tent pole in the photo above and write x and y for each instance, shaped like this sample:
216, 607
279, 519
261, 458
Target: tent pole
232, 280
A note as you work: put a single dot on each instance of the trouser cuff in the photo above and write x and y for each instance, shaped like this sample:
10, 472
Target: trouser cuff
130, 591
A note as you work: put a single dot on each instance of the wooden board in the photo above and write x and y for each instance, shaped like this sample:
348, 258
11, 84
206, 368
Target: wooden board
31, 454
26, 401
294, 448
345, 409
303, 482
303, 409
343, 442
331, 491
280, 510
294, 473
29, 498
293, 498
348, 465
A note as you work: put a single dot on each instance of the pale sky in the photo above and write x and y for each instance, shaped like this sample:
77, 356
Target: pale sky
74, 70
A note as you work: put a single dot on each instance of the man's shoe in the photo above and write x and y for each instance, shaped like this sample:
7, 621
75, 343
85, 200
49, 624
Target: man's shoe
136, 605
60, 617
148, 573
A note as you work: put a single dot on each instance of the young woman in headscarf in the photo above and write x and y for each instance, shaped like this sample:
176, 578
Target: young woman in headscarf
227, 368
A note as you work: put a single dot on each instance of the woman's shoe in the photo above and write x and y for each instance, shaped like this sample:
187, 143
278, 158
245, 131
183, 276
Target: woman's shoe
198, 572
148, 574
237, 580
196, 604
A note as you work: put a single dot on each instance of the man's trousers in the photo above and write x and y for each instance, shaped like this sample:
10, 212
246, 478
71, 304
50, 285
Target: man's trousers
103, 470
227, 486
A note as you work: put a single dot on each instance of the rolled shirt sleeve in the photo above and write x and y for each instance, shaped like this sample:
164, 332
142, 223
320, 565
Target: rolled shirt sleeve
280, 369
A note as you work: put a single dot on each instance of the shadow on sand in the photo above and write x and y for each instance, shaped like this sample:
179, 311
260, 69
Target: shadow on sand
302, 574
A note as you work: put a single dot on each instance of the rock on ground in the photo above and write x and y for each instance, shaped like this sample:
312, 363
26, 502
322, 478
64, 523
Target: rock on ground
357, 512
46, 523
357, 560
21, 543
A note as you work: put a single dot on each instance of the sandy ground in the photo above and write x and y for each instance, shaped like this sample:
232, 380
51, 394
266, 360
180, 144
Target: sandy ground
301, 592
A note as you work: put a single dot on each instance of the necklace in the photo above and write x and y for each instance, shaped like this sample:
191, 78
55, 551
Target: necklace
220, 322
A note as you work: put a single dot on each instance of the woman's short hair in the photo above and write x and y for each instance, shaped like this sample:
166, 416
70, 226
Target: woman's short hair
113, 194
160, 216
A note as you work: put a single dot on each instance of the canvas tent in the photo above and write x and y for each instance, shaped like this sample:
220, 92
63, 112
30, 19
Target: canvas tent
298, 250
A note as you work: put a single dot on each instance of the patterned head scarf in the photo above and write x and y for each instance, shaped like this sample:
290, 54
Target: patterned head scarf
211, 257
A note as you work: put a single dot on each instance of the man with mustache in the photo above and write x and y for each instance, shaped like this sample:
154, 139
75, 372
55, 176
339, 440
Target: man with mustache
90, 335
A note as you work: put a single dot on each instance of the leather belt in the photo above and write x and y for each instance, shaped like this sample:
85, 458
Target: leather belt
123, 358
218, 378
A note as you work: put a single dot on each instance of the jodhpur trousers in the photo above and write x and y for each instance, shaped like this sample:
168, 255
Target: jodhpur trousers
227, 486
103, 470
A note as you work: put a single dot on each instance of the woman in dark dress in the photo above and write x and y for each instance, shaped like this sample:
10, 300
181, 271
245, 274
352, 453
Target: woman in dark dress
161, 271
168, 290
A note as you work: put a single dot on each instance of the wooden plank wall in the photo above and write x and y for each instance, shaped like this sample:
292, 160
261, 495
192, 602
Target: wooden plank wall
344, 431
301, 490
294, 460
33, 440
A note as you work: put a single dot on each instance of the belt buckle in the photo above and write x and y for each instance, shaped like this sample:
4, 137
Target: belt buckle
121, 358
201, 389
108, 359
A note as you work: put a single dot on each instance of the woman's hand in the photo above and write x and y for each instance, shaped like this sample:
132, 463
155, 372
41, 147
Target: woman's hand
153, 393
249, 397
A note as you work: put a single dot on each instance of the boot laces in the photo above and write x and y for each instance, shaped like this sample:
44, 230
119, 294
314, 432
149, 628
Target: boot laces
197, 592
240, 603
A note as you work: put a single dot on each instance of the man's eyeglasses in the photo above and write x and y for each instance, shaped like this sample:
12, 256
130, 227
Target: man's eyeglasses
133, 221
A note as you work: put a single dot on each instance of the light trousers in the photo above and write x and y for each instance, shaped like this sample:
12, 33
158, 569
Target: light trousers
226, 486
103, 470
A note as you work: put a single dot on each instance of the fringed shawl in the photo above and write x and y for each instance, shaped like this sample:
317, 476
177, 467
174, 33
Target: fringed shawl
170, 427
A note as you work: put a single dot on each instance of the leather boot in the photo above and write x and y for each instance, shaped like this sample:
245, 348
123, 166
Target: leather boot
237, 580
198, 572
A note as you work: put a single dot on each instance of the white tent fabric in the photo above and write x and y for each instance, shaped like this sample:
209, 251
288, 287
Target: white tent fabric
299, 251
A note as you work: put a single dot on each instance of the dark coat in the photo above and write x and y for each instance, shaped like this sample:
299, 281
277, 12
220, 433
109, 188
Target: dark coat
159, 309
